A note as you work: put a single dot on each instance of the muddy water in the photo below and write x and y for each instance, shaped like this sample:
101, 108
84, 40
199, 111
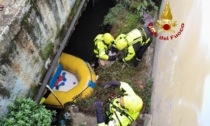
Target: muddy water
182, 68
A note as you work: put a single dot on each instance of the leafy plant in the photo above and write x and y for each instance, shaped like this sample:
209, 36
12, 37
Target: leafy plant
109, 18
122, 20
127, 15
140, 5
25, 112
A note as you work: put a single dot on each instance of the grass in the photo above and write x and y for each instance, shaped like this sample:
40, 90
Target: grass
118, 72
123, 23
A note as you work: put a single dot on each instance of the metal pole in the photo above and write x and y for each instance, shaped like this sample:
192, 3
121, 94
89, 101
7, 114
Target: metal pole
63, 44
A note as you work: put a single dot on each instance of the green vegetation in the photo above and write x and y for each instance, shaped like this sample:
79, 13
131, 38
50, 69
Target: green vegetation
122, 18
119, 72
124, 23
45, 53
139, 6
25, 112
126, 15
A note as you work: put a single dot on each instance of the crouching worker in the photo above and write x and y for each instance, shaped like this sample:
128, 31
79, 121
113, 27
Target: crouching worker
102, 44
135, 43
121, 111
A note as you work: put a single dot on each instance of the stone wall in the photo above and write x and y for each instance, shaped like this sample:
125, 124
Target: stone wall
30, 32
181, 68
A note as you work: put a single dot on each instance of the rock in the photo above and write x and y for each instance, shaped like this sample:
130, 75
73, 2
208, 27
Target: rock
80, 118
147, 120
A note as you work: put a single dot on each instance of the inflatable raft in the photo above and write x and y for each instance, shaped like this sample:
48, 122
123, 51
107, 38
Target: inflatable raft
73, 78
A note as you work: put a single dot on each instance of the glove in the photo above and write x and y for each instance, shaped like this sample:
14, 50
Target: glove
112, 83
42, 100
112, 58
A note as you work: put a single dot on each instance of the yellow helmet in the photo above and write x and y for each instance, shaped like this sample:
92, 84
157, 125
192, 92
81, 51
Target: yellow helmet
133, 103
121, 44
108, 38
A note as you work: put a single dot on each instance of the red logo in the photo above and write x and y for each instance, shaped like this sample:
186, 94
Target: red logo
166, 24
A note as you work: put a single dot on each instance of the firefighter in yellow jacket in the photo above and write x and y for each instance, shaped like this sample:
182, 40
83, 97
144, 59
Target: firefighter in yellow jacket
121, 111
102, 44
135, 42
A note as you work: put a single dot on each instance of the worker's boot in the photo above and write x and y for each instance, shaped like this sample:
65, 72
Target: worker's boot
136, 62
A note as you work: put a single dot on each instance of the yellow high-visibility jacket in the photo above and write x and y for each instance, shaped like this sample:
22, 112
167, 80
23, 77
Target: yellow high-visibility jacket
124, 116
101, 47
133, 37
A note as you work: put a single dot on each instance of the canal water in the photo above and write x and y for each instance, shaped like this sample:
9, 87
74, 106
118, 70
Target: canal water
89, 25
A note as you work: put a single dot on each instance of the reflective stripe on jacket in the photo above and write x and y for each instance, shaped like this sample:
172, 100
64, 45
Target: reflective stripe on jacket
133, 37
120, 116
137, 35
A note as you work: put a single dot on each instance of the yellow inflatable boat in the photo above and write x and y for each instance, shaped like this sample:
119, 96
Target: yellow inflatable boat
74, 77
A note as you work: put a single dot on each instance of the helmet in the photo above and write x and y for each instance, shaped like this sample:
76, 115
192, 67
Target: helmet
108, 39
121, 44
133, 103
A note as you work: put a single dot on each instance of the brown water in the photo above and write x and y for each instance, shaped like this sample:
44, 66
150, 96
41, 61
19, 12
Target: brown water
182, 68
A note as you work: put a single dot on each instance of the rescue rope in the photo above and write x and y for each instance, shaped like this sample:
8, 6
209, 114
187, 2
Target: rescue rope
47, 86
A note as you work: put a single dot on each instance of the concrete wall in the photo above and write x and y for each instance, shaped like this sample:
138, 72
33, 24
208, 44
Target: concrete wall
30, 31
182, 68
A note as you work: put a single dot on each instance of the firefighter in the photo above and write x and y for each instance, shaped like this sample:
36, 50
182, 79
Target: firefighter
120, 111
135, 43
102, 44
